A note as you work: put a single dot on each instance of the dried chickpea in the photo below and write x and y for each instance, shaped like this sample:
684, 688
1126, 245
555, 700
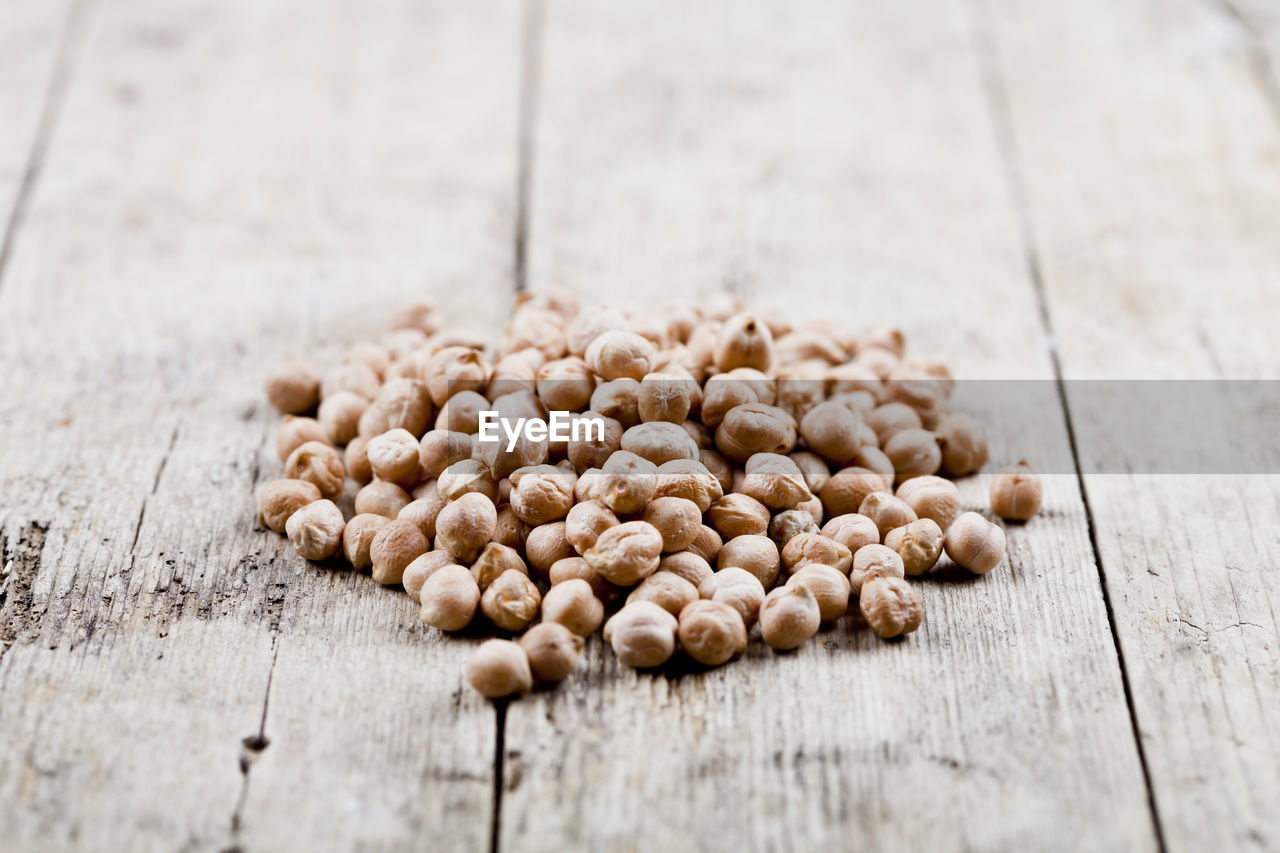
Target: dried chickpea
461, 412
423, 510
356, 459
914, 453
889, 419
358, 536
585, 522
466, 525
744, 341
619, 400
570, 568
919, 544
711, 632
688, 479
318, 464
296, 431
546, 544
449, 598
358, 377
738, 515
565, 384
665, 397
573, 604
280, 499
665, 589
809, 548
890, 606
499, 668
832, 431
687, 565
1016, 493
511, 601
830, 588
757, 554
659, 442
541, 493
964, 444
852, 531
399, 404
707, 543
586, 453
932, 497
628, 482
677, 520
775, 481
339, 415
975, 543
738, 588
790, 523
293, 387
590, 323
453, 370
381, 498
421, 569
874, 561
753, 428
886, 511
617, 355
494, 561
440, 448
845, 491
394, 547
315, 530
813, 468
722, 395
503, 462
626, 553
642, 634
789, 616
552, 650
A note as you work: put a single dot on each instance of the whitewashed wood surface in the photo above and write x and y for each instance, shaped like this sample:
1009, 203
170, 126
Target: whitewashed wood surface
195, 189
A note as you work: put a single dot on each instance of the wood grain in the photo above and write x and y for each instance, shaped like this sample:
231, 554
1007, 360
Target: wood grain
229, 184
844, 162
1150, 149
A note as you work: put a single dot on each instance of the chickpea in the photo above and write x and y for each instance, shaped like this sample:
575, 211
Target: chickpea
293, 387
813, 468
790, 523
511, 601
744, 341
423, 512
932, 497
711, 632
687, 565
358, 377
421, 569
775, 481
919, 544
830, 588
315, 530
874, 561
466, 525
571, 568
738, 515
565, 384
573, 604
546, 544
626, 553
441, 448
669, 591
628, 482
659, 442
789, 616
889, 419
677, 520
832, 431
845, 491
591, 323
753, 428
449, 598
618, 399
757, 554
280, 499
722, 395
974, 543
585, 522
553, 651
541, 493
499, 668
318, 464
399, 404
381, 498
394, 547
914, 453
852, 531
688, 479
295, 431
593, 453
891, 607
1016, 493
707, 544
494, 561
455, 369
339, 415
665, 397
642, 634
809, 548
358, 536
963, 443
886, 511
617, 354
461, 413
502, 462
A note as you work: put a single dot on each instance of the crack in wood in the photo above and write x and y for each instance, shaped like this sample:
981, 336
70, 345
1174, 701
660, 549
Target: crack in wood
155, 486
19, 566
251, 748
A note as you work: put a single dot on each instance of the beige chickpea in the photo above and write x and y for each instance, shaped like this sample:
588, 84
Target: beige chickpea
628, 482
1016, 493
832, 431
280, 499
318, 464
744, 341
573, 604
845, 491
688, 479
665, 397
626, 553
553, 651
499, 668
813, 468
974, 543
919, 544
421, 569
830, 588
891, 607
875, 459
677, 520
757, 554
669, 591
541, 493
852, 531
722, 395
461, 413
789, 616
707, 543
790, 523
339, 415
738, 588
711, 632
296, 431
467, 477
565, 384
891, 418
315, 530
618, 399
932, 497
423, 511
494, 561
293, 387
775, 481
585, 522
510, 530
399, 404
440, 448
535, 328
738, 515
358, 377
546, 544
914, 453
381, 498
449, 598
618, 354
886, 511
358, 537
511, 601
394, 547
809, 548
754, 428
963, 443
687, 565
874, 561
926, 394
659, 442
570, 568
356, 460
466, 525
642, 634
456, 369
590, 451
592, 322
375, 355
503, 462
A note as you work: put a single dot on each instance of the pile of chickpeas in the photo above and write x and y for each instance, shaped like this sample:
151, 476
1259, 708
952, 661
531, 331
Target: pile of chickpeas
743, 473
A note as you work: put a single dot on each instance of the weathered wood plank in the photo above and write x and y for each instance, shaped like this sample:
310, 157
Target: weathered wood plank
840, 161
230, 184
1149, 146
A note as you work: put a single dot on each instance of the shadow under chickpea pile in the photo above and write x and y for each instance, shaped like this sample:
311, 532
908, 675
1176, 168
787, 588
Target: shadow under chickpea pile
732, 472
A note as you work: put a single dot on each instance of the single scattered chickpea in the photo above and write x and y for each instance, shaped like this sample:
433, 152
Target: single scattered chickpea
886, 511
919, 544
358, 536
711, 632
553, 651
1016, 493
318, 464
964, 444
845, 490
809, 548
914, 453
421, 569
511, 601
296, 431
626, 553
852, 531
744, 341
642, 634
466, 525
494, 561
975, 543
830, 588
874, 561
381, 498
738, 515
677, 520
617, 355
449, 598
315, 530
293, 387
668, 590
499, 668
891, 607
789, 616
687, 565
394, 547
573, 604
737, 588
280, 499
339, 415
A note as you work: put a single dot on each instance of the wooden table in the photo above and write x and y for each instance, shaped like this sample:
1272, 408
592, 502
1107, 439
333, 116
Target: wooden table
195, 189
